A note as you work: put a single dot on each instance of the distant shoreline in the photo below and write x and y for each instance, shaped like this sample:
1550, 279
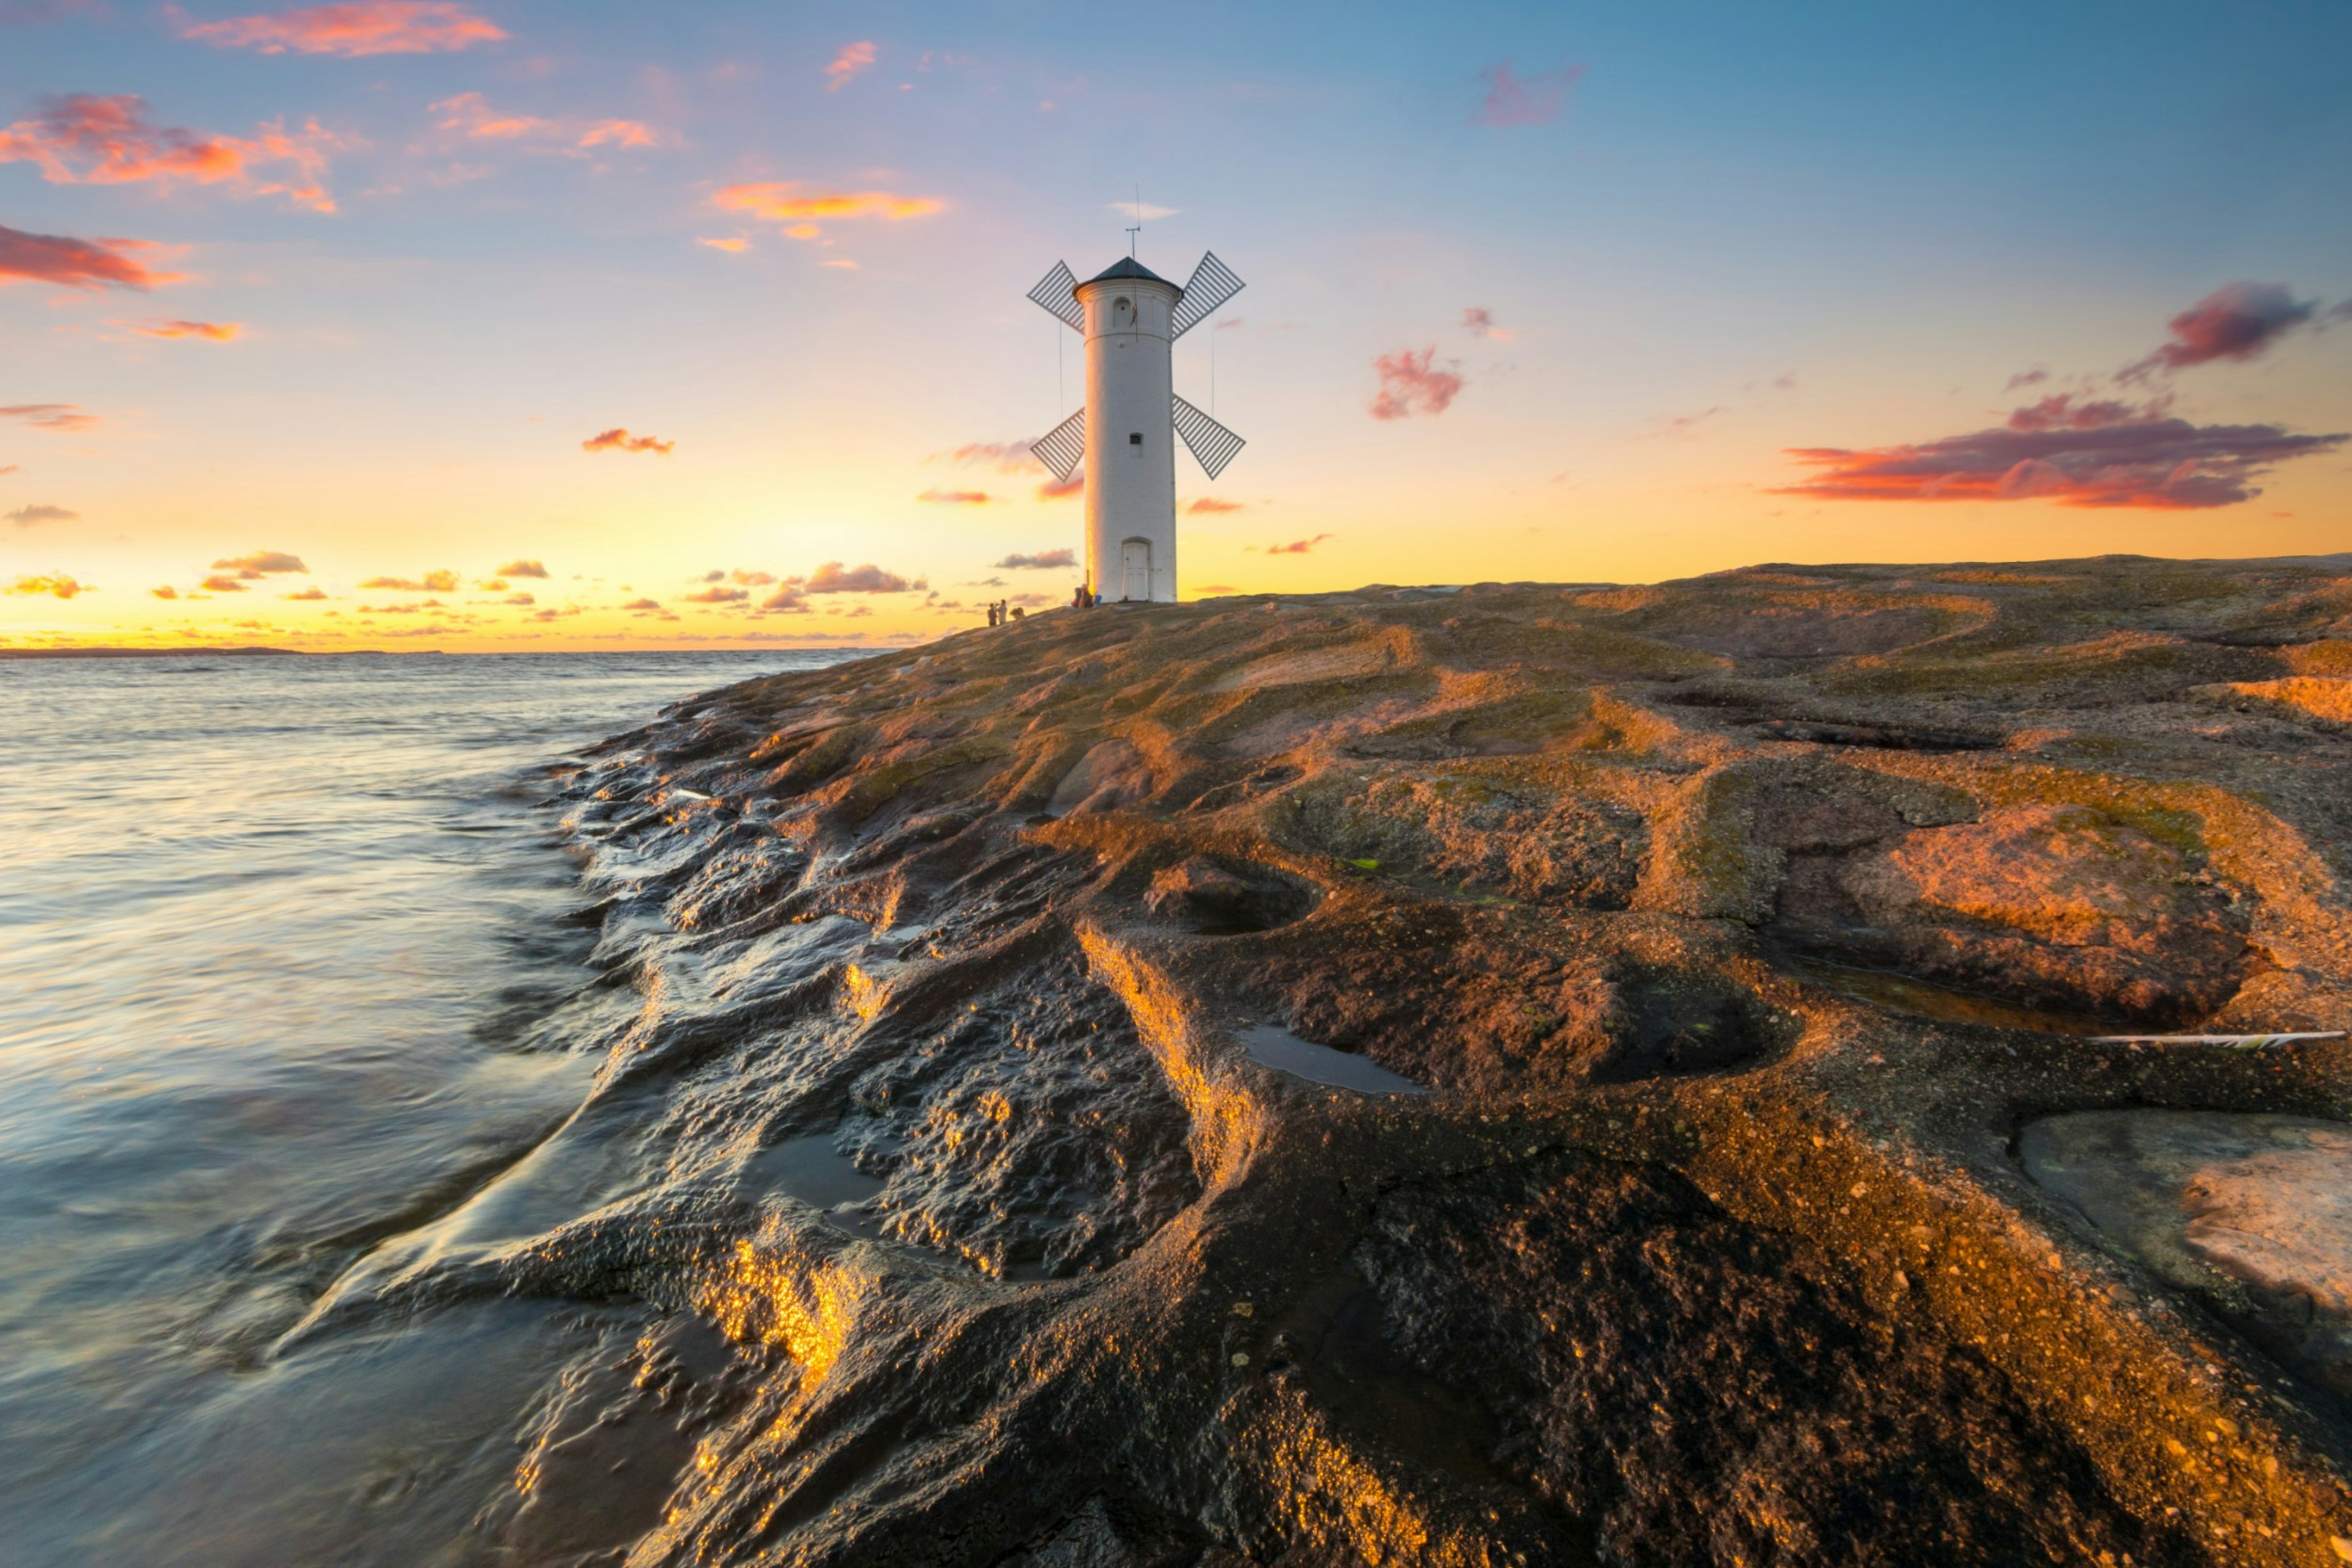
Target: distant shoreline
160, 652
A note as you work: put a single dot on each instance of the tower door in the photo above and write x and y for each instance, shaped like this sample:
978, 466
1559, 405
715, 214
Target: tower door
1135, 569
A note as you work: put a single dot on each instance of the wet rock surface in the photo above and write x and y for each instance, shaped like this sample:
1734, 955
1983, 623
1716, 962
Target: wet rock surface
1749, 937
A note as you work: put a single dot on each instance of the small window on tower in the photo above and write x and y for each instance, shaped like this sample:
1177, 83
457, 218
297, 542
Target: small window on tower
1135, 439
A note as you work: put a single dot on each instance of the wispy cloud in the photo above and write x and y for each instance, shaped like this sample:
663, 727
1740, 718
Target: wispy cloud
1514, 99
223, 583
2236, 322
352, 31
1211, 504
55, 583
76, 263
1479, 322
716, 594
619, 440
1062, 489
1005, 457
431, 583
30, 516
469, 115
1297, 546
1412, 384
261, 561
1043, 560
89, 139
2075, 453
1143, 212
954, 498
64, 417
307, 595
210, 331
846, 65
734, 247
1678, 425
2033, 377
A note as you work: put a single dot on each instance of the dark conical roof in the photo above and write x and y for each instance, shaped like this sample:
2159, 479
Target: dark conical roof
1128, 267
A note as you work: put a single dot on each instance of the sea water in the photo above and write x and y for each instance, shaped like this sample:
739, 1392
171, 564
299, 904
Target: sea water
278, 941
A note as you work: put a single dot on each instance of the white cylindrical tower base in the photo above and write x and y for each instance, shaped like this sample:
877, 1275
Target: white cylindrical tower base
1131, 436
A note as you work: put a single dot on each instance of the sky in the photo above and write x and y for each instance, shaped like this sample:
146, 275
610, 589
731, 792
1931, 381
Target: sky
523, 326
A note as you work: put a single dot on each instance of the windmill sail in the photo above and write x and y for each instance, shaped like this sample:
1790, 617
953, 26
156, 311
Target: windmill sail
1054, 292
1212, 442
1212, 284
1063, 446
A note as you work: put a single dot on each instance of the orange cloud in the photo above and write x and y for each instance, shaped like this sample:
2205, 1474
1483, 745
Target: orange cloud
222, 583
801, 209
354, 30
89, 139
1055, 489
59, 417
1412, 383
522, 569
1211, 503
432, 583
731, 247
33, 516
1043, 559
954, 498
619, 440
63, 586
642, 604
519, 599
718, 596
845, 65
166, 592
211, 331
1297, 546
76, 263
843, 262
309, 593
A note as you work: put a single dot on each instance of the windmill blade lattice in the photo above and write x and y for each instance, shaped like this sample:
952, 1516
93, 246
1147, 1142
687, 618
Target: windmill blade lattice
1055, 294
1212, 284
1212, 442
1063, 447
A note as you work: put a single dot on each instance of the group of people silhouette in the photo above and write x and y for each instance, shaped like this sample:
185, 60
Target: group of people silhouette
999, 611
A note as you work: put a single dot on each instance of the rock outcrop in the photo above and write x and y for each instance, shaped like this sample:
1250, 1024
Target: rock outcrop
1774, 1199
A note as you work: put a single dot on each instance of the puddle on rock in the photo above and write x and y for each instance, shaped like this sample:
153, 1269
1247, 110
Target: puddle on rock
1902, 993
1271, 1046
810, 1169
2250, 1212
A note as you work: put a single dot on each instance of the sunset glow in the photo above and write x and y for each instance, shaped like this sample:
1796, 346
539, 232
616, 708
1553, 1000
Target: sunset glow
718, 314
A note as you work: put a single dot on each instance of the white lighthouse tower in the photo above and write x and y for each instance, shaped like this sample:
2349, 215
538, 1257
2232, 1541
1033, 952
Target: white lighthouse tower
1126, 433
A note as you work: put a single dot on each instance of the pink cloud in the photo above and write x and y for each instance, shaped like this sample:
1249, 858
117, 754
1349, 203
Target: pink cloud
954, 498
352, 31
832, 578
2076, 454
1412, 383
1211, 503
1479, 322
1297, 546
1524, 99
2236, 322
846, 65
85, 139
1059, 489
1042, 560
470, 114
75, 263
718, 596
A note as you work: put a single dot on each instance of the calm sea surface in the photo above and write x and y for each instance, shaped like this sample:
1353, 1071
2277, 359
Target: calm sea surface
280, 942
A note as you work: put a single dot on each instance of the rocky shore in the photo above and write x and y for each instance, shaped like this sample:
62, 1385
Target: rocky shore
1762, 1192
